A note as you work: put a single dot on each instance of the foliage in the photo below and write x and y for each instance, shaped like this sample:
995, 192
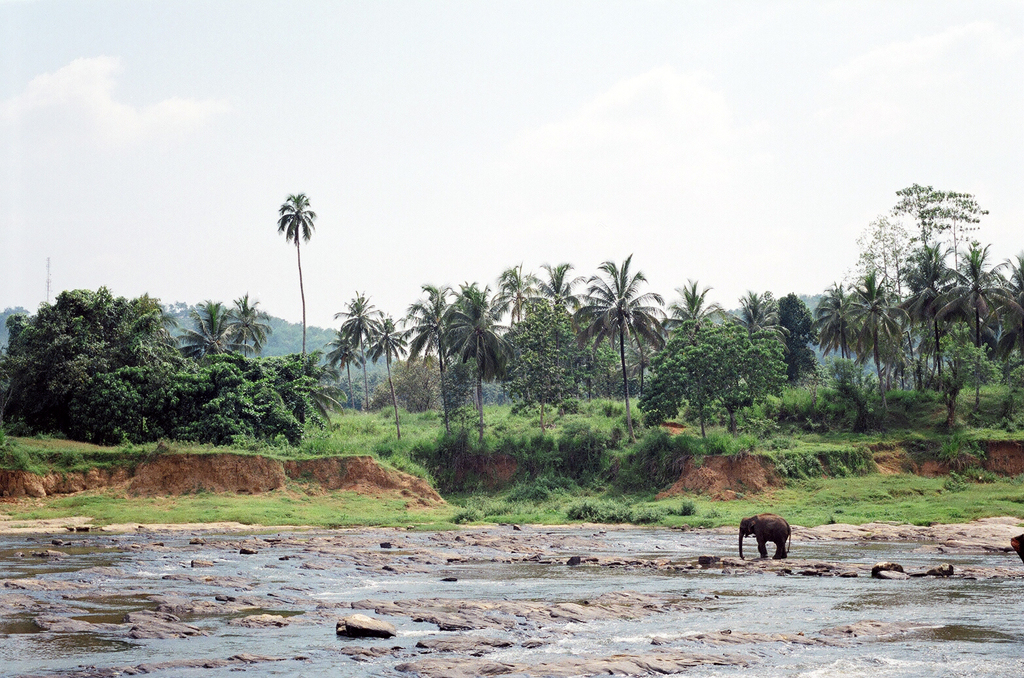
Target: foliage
544, 345
965, 364
795, 317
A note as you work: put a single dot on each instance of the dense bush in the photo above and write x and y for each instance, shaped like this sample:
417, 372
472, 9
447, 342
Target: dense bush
604, 511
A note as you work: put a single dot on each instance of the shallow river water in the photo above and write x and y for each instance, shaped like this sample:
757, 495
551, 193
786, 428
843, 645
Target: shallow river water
958, 626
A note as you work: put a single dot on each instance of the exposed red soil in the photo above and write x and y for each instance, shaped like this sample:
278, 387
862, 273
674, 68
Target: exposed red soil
892, 459
721, 478
175, 474
1004, 457
494, 471
673, 428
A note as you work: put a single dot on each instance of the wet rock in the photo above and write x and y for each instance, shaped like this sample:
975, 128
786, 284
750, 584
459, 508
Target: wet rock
360, 625
202, 563
385, 544
729, 637
575, 560
149, 624
58, 624
871, 628
246, 551
657, 662
365, 654
197, 541
891, 574
49, 553
261, 621
707, 561
943, 570
42, 585
885, 567
472, 645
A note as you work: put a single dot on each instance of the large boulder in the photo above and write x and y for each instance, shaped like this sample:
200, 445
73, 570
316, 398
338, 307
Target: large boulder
361, 626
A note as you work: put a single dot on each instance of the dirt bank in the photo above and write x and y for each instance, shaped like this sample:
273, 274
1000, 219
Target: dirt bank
176, 474
721, 478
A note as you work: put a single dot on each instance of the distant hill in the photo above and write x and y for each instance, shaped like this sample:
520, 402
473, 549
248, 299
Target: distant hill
285, 338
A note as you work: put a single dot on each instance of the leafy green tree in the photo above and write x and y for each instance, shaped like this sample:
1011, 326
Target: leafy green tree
474, 333
615, 308
1012, 301
542, 342
249, 324
760, 313
516, 290
428, 320
939, 214
388, 342
977, 292
343, 353
296, 223
832, 321
692, 306
795, 317
879, 323
884, 247
965, 365
212, 333
361, 320
929, 279
417, 387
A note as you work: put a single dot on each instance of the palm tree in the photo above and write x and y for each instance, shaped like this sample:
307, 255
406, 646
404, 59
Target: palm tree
929, 279
692, 305
760, 313
247, 322
344, 353
1013, 305
977, 292
614, 308
390, 343
515, 291
361, 320
832, 321
296, 222
212, 332
428, 320
325, 396
558, 287
475, 334
877, 320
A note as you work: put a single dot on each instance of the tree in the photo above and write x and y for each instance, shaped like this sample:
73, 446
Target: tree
965, 364
692, 305
541, 342
938, 213
248, 323
429, 321
474, 333
928, 280
559, 287
211, 334
878, 320
832, 321
1013, 307
977, 292
760, 313
343, 353
515, 291
361, 319
884, 245
795, 317
296, 222
615, 308
390, 343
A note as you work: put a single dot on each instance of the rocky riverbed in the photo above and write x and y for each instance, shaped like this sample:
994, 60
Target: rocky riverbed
511, 600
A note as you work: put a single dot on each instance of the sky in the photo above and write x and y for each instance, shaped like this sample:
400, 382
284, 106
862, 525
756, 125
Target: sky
147, 146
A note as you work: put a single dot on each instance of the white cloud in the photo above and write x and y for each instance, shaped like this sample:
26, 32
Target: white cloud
76, 104
927, 84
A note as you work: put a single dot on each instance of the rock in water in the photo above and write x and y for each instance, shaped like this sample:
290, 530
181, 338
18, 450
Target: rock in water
246, 551
575, 560
944, 570
360, 626
885, 567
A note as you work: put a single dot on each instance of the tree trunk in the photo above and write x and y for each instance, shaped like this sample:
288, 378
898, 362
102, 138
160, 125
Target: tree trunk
302, 293
394, 400
732, 422
366, 387
703, 433
351, 393
444, 397
542, 416
878, 370
938, 352
625, 383
480, 403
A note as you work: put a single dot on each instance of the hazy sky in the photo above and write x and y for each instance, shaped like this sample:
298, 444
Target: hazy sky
146, 146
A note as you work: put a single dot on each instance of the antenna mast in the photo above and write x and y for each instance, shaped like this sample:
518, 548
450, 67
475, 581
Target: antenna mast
47, 279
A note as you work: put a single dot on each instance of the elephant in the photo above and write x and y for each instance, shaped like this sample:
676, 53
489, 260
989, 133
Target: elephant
1017, 544
767, 527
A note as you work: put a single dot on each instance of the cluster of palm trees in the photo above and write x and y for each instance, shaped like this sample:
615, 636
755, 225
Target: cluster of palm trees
903, 336
218, 329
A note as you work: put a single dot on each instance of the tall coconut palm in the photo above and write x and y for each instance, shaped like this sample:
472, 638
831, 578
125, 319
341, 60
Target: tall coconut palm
614, 308
474, 333
1012, 302
878, 320
692, 305
361, 321
559, 287
296, 222
249, 324
515, 291
928, 280
428, 322
389, 342
211, 332
343, 353
977, 291
760, 313
832, 321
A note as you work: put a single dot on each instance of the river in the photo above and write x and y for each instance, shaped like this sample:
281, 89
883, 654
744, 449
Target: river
672, 608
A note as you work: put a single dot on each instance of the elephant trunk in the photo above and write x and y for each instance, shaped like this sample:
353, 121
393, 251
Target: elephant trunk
741, 545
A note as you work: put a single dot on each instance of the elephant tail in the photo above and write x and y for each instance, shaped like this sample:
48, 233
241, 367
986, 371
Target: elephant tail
789, 546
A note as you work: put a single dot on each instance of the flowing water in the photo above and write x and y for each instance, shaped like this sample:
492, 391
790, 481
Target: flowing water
968, 627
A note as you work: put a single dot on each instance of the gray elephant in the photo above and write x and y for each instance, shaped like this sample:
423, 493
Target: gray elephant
767, 527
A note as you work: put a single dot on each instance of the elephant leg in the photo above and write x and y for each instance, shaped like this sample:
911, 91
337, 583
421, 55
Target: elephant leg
780, 550
761, 547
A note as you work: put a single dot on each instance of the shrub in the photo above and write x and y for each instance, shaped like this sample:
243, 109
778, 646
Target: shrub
687, 507
954, 483
467, 515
